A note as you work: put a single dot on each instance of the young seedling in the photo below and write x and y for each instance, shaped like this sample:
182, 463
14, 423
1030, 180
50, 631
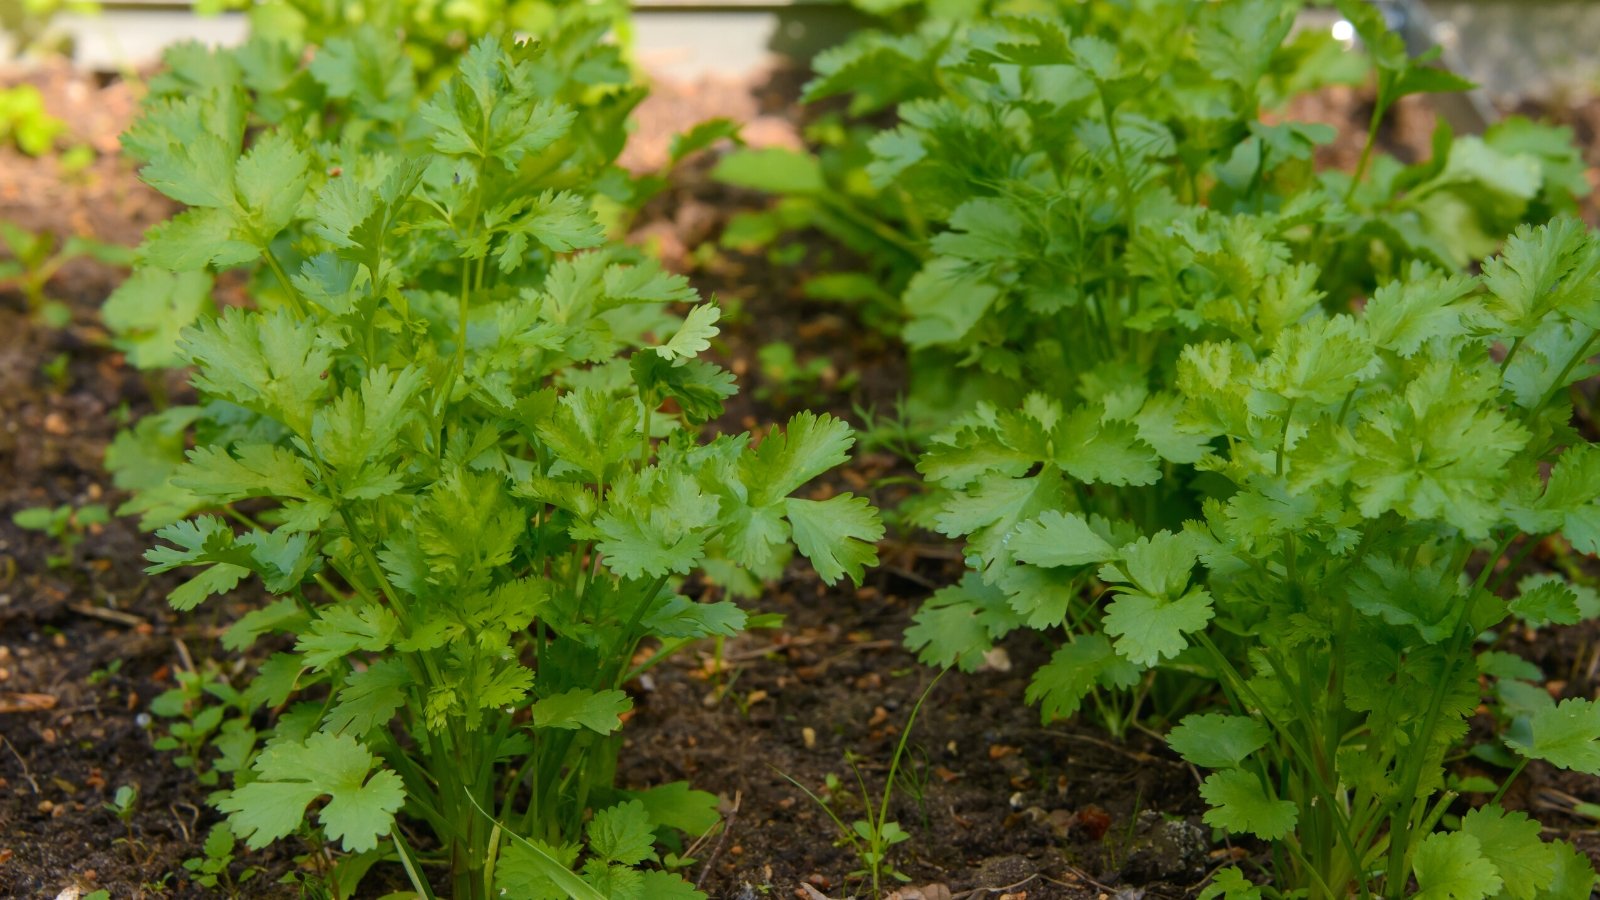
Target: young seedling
36, 258
214, 870
66, 524
872, 837
784, 376
24, 120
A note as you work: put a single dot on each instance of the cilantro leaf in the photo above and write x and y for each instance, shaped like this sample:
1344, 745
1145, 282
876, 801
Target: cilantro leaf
1217, 741
1510, 841
598, 711
1073, 671
1149, 628
694, 336
1451, 866
1566, 735
1059, 539
292, 774
369, 698
147, 313
1230, 884
534, 870
839, 535
785, 460
1241, 804
622, 834
960, 623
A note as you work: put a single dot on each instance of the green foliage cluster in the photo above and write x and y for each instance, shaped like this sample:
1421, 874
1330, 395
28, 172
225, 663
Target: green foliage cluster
434, 33
24, 120
1231, 417
1260, 446
459, 437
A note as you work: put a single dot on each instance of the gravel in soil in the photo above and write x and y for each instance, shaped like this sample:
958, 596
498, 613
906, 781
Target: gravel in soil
992, 798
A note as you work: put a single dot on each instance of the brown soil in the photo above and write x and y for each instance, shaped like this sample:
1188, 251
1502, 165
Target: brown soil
1041, 812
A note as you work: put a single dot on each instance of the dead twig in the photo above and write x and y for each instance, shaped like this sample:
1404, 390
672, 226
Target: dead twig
194, 819
722, 839
1079, 874
183, 654
23, 763
115, 616
996, 890
913, 577
774, 647
1138, 756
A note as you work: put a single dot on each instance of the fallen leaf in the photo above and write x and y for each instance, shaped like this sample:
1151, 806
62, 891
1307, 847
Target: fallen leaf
1094, 821
26, 703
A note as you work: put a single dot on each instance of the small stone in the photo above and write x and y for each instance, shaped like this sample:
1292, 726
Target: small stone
995, 659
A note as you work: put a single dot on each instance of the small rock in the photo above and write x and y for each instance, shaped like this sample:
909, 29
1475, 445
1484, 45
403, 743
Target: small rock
1165, 849
995, 659
998, 871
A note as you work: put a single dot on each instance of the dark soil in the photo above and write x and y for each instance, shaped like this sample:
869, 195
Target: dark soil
997, 804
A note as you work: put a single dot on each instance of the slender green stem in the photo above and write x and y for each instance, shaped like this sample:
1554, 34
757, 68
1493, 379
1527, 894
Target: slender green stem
1366, 152
1505, 785
844, 208
1323, 792
1560, 382
1510, 355
1404, 805
301, 308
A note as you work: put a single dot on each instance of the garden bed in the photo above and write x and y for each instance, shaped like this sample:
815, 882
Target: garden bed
1007, 807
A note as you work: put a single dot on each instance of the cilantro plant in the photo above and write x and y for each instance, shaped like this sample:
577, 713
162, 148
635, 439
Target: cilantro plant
1377, 469
1141, 291
465, 458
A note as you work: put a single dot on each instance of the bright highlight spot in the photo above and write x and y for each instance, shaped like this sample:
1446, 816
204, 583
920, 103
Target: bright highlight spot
1344, 31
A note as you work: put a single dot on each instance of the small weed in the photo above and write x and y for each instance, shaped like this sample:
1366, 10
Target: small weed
56, 372
36, 257
124, 803
784, 376
214, 869
66, 524
101, 676
871, 838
